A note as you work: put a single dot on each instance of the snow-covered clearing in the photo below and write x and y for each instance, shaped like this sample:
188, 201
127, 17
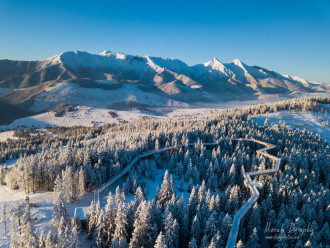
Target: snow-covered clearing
90, 116
82, 116
95, 116
7, 135
311, 121
43, 213
190, 111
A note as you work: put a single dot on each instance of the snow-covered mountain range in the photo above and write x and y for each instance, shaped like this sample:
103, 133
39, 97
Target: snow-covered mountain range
119, 81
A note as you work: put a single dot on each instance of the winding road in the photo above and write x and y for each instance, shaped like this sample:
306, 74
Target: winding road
247, 181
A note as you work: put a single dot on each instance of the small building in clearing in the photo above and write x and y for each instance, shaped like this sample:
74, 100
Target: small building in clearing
81, 214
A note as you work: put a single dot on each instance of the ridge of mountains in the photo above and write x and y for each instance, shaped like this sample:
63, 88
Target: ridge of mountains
119, 81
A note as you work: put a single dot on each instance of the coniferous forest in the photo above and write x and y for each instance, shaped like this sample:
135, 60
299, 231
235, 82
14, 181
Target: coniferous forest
293, 204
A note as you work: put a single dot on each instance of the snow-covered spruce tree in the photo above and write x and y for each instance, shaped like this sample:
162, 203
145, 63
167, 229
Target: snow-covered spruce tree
211, 225
121, 222
73, 236
192, 243
109, 219
240, 244
91, 221
196, 230
42, 239
49, 240
145, 231
14, 241
4, 214
62, 235
28, 235
81, 183
166, 191
254, 239
97, 235
255, 221
67, 185
171, 230
60, 208
160, 241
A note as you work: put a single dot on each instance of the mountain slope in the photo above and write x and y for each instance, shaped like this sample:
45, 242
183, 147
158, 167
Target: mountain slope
115, 79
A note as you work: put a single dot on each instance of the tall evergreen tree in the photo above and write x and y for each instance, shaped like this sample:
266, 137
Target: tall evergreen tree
121, 222
14, 241
144, 233
42, 239
192, 243
160, 241
166, 192
49, 240
60, 208
254, 239
28, 236
81, 183
171, 228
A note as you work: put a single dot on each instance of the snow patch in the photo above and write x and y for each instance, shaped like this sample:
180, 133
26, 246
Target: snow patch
311, 121
7, 135
70, 93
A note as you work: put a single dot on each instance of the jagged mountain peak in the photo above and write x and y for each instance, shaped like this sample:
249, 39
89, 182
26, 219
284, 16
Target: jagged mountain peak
237, 62
210, 70
214, 64
105, 53
162, 77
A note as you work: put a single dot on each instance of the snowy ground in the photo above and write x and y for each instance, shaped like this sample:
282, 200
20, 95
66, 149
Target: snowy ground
311, 121
98, 115
7, 135
67, 92
43, 212
82, 116
88, 117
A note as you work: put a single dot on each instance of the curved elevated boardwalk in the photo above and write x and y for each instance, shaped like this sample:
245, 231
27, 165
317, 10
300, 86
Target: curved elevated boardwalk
231, 243
135, 160
247, 181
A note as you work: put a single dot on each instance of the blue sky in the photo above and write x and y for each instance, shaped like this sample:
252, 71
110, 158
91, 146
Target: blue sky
290, 37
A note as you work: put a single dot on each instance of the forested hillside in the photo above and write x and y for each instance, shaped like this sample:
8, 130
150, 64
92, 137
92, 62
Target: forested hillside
73, 161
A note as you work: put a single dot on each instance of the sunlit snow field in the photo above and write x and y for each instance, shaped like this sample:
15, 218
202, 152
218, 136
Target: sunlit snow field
311, 121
